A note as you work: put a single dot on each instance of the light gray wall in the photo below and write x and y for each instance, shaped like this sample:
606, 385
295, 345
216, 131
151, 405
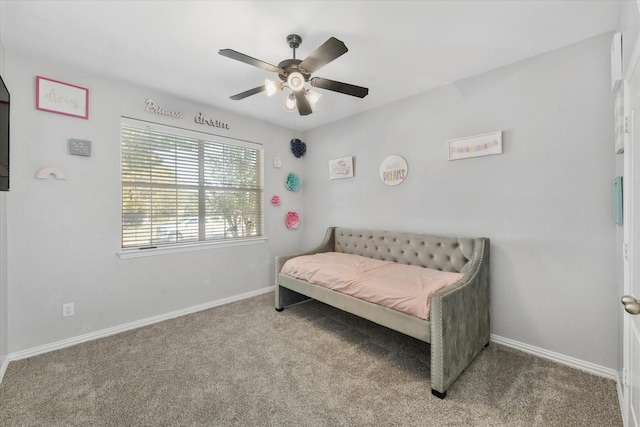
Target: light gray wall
546, 202
63, 235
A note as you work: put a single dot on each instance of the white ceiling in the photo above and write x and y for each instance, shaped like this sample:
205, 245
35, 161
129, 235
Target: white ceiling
396, 48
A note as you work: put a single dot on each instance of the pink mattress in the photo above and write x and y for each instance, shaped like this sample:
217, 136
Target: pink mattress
406, 288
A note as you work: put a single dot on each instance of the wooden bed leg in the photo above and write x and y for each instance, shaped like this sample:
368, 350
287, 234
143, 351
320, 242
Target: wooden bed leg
439, 395
279, 309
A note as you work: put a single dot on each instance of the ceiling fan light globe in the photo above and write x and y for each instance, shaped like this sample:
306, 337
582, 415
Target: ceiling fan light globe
290, 104
272, 87
313, 97
295, 81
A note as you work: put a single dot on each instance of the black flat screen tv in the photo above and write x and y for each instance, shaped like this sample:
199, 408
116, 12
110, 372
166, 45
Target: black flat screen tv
4, 136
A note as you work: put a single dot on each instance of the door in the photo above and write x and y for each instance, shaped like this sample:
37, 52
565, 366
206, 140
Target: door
631, 343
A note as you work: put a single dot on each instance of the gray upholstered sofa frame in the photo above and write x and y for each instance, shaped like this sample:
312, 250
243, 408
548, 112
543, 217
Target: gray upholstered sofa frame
458, 328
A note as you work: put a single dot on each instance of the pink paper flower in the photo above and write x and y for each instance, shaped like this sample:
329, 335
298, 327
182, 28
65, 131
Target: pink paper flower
292, 220
275, 200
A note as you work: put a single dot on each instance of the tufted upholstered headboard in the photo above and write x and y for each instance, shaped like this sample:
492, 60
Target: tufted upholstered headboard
437, 252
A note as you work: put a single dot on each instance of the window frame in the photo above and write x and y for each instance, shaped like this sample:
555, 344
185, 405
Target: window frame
191, 245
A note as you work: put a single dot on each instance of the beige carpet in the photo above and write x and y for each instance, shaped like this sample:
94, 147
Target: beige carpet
244, 364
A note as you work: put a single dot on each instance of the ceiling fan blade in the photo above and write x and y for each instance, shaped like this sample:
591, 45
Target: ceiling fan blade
335, 86
304, 108
330, 50
230, 53
247, 93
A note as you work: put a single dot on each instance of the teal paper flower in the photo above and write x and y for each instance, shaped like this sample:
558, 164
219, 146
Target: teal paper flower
293, 182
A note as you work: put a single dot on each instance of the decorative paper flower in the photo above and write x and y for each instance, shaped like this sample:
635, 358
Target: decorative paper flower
293, 182
298, 148
292, 220
275, 200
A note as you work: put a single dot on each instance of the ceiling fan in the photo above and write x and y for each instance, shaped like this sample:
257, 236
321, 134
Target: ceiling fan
294, 73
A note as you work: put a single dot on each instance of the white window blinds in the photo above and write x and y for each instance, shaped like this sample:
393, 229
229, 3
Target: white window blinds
183, 187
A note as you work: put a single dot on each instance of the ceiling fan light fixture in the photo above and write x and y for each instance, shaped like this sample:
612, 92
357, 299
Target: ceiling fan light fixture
313, 97
295, 73
295, 81
290, 103
272, 87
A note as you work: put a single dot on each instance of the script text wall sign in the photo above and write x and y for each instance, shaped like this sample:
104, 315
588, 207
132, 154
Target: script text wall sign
62, 98
341, 168
394, 170
156, 109
200, 119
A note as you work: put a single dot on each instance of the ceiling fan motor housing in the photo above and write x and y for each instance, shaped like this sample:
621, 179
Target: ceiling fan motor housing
289, 66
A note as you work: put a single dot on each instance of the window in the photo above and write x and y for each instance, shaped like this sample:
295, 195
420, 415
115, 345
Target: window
186, 187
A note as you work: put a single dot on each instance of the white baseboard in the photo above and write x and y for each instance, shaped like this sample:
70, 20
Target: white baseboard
536, 351
125, 327
3, 366
589, 367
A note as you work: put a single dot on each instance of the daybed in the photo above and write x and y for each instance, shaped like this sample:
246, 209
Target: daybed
458, 324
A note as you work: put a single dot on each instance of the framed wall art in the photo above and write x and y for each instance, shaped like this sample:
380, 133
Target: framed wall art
62, 98
394, 170
475, 146
621, 131
341, 168
80, 147
617, 200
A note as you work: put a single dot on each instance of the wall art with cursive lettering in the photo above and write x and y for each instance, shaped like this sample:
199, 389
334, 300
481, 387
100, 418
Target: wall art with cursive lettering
394, 170
200, 119
341, 168
62, 98
152, 107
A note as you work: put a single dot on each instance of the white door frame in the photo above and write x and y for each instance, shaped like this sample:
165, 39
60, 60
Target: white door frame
630, 253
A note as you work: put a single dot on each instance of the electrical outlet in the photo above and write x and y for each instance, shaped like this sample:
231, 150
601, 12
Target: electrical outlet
67, 309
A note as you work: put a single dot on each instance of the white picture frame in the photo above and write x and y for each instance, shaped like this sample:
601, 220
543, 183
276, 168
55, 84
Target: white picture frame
341, 168
616, 61
620, 121
475, 146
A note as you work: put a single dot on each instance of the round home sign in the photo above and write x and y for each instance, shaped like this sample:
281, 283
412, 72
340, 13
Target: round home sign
393, 170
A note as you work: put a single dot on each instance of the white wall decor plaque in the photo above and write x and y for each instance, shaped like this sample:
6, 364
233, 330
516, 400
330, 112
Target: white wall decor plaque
616, 61
341, 168
475, 146
620, 121
393, 170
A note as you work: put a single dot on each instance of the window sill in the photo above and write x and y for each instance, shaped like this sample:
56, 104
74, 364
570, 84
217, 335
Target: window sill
186, 247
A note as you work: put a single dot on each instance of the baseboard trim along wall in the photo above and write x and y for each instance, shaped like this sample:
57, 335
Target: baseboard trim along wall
3, 367
536, 351
128, 326
589, 367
